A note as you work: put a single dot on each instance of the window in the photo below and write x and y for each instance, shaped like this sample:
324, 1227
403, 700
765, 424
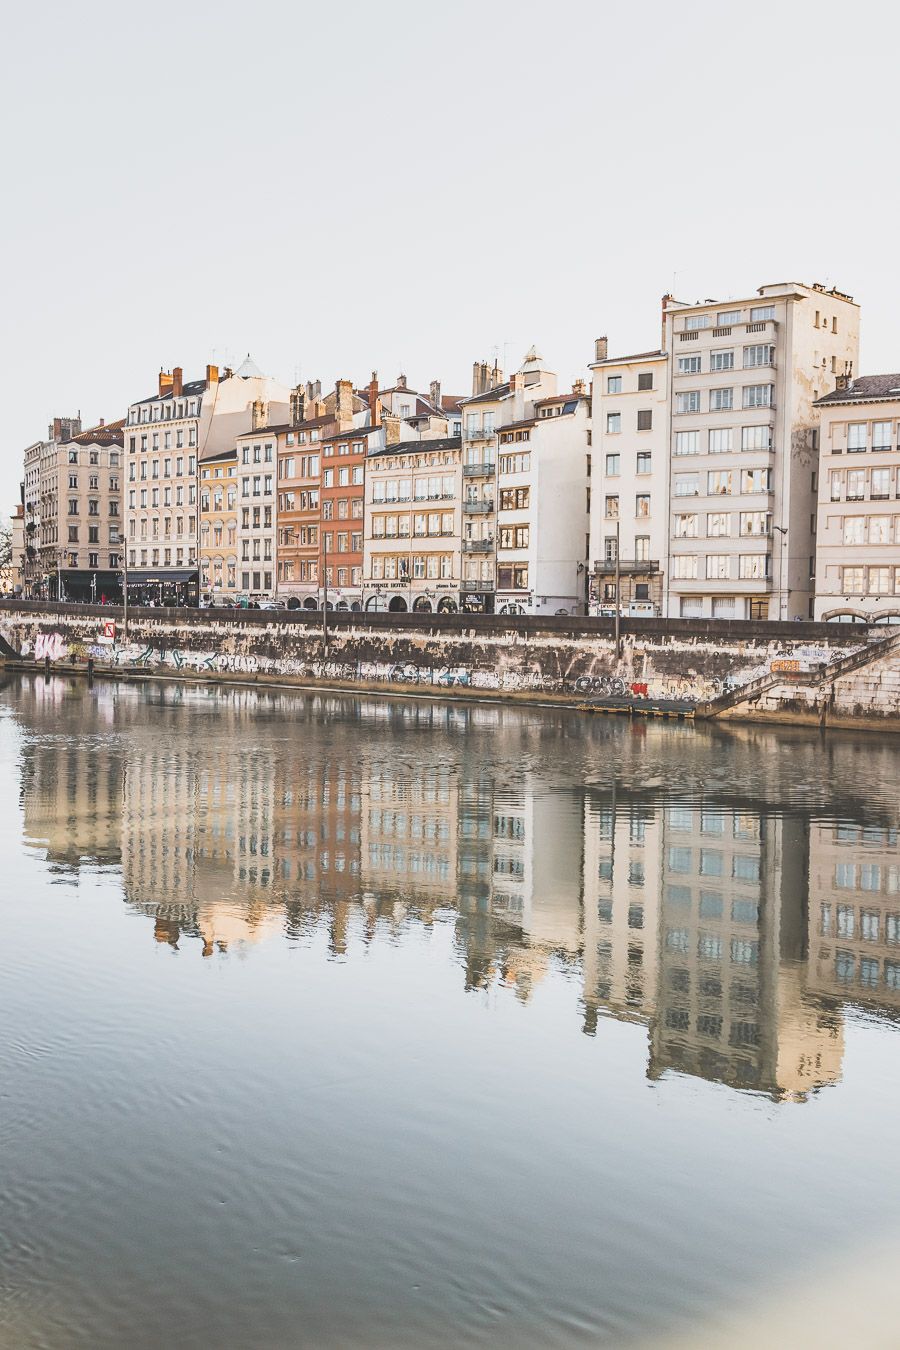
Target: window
645, 379
727, 317
881, 435
611, 508
762, 354
642, 548
644, 461
644, 419
687, 442
756, 480
684, 566
718, 524
687, 484
879, 530
721, 360
612, 467
686, 526
756, 438
512, 577
758, 395
689, 365
856, 485
880, 580
613, 423
720, 441
854, 529
754, 566
614, 384
762, 313
642, 505
718, 566
688, 402
755, 523
719, 482
721, 400
697, 321
881, 485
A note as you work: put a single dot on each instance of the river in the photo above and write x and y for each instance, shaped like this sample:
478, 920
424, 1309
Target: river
353, 1022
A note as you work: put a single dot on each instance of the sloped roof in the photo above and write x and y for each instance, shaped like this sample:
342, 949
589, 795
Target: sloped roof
249, 370
864, 388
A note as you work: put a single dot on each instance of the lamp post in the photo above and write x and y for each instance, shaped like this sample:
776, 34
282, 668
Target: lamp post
782, 591
125, 591
324, 591
618, 596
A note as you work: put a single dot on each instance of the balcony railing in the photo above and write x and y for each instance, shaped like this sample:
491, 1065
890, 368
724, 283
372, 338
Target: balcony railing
721, 332
477, 545
477, 508
483, 470
606, 567
689, 336
470, 586
480, 433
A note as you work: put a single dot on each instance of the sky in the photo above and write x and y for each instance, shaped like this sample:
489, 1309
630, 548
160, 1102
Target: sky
412, 187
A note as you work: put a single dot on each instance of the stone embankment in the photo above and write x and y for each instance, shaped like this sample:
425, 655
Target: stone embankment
809, 673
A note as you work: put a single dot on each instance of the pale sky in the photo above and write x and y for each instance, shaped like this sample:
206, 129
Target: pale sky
409, 186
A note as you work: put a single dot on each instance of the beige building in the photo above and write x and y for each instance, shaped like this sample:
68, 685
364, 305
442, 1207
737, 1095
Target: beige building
33, 573
743, 484
629, 480
81, 510
14, 568
218, 527
166, 436
858, 539
412, 545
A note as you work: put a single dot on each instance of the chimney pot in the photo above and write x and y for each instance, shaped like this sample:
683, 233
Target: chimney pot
601, 348
177, 381
436, 393
212, 375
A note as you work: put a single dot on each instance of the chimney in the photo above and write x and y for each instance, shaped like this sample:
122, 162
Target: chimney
259, 414
391, 426
665, 304
476, 378
578, 388
177, 381
601, 348
401, 381
298, 406
165, 382
496, 377
102, 422
436, 393
212, 376
374, 400
343, 404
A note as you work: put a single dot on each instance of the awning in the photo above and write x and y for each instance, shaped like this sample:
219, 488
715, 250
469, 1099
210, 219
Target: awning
162, 576
72, 577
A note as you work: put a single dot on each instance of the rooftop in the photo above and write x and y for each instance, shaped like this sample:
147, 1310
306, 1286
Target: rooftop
108, 433
419, 447
657, 355
501, 391
864, 389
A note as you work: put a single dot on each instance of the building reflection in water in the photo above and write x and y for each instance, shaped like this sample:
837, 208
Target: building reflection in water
734, 930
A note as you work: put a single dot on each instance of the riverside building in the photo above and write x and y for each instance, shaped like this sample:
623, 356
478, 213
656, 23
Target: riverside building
743, 466
858, 539
166, 436
80, 510
629, 526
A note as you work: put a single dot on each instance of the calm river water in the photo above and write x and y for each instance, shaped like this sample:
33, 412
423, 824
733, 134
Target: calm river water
355, 1023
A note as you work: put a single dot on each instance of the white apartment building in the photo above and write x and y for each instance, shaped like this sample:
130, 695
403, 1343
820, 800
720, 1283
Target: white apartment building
858, 539
543, 511
521, 439
629, 479
745, 376
166, 436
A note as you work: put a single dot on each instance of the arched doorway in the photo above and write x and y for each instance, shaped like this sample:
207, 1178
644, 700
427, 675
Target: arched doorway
447, 606
375, 604
342, 604
422, 605
356, 607
310, 603
397, 605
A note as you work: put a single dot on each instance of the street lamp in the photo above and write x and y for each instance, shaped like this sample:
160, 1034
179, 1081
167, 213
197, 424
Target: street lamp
782, 592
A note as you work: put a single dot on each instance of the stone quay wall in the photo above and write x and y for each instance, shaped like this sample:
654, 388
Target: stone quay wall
684, 662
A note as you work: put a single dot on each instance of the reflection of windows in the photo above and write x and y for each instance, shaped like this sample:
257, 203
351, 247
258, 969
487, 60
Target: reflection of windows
892, 928
677, 939
605, 869
869, 925
678, 1019
844, 966
710, 905
709, 947
710, 862
635, 916
892, 974
636, 873
744, 952
745, 868
679, 895
604, 911
744, 911
709, 1025
846, 921
679, 859
868, 971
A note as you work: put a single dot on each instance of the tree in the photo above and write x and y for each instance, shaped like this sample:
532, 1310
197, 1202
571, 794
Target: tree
5, 546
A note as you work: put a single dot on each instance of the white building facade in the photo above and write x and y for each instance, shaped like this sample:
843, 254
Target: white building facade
743, 472
858, 537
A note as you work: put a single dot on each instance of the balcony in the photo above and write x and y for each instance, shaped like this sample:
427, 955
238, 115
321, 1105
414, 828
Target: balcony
690, 335
606, 567
477, 508
483, 470
476, 587
477, 545
479, 433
